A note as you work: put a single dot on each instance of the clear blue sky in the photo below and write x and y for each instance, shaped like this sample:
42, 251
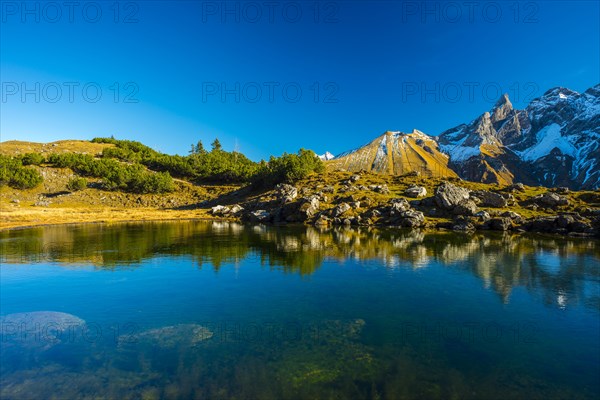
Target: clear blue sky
361, 67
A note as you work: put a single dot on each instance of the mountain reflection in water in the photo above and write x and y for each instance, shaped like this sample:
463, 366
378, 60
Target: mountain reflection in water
553, 267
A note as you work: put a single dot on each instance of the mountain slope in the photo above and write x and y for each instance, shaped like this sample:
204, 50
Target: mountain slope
555, 141
396, 153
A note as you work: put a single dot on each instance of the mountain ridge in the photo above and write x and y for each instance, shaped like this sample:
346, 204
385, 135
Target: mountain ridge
554, 141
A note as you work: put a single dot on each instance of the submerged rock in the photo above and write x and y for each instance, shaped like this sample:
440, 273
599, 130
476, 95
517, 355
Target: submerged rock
39, 329
168, 337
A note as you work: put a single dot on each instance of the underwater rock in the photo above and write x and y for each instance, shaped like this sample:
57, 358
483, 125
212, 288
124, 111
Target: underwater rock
39, 329
168, 337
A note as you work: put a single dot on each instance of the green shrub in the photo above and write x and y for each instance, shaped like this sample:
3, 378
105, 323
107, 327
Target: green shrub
15, 175
288, 168
217, 165
32, 159
115, 175
77, 184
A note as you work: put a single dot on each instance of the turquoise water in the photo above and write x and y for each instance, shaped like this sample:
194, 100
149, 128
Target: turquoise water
220, 310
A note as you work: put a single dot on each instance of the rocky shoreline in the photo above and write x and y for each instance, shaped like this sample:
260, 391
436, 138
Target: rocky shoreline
450, 207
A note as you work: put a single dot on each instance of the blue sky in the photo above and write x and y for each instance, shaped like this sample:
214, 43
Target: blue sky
271, 77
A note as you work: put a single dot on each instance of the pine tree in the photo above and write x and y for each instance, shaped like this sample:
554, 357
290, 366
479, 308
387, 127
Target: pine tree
216, 145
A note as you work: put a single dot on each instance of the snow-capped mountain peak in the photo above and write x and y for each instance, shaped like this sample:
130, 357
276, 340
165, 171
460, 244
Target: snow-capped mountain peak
327, 156
554, 141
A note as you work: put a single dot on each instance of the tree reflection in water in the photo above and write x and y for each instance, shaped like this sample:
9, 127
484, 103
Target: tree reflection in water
555, 267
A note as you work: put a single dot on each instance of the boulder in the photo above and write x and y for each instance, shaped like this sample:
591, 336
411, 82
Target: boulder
236, 210
483, 215
465, 207
517, 187
354, 178
258, 216
499, 224
550, 199
564, 220
309, 207
416, 191
322, 221
448, 196
513, 216
383, 189
286, 193
340, 209
412, 219
398, 206
542, 224
462, 224
490, 199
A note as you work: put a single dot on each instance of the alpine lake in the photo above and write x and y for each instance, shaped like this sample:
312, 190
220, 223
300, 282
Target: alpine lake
220, 310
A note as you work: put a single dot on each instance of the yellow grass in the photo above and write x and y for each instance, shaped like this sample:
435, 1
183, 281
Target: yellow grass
36, 216
16, 147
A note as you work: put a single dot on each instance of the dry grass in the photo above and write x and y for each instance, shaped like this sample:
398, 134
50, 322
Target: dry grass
36, 216
16, 147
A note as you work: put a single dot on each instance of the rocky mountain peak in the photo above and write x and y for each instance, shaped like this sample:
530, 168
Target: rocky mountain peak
502, 109
554, 141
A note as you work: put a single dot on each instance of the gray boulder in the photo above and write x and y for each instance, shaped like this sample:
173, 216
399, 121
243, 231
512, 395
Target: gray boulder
309, 207
286, 193
550, 199
500, 224
412, 219
448, 196
465, 207
490, 199
416, 191
383, 189
517, 187
258, 216
340, 209
322, 221
398, 206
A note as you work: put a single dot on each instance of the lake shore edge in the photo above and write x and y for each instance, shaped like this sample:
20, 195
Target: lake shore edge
34, 217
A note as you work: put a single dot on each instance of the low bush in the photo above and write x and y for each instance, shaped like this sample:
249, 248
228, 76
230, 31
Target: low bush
15, 175
77, 184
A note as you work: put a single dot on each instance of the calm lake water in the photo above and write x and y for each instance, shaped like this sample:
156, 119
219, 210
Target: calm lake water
220, 310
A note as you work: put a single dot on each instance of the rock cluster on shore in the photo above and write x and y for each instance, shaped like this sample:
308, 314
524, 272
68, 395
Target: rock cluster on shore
450, 207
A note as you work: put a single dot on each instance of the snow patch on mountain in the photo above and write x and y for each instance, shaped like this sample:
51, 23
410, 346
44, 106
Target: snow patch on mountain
547, 139
458, 151
327, 156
